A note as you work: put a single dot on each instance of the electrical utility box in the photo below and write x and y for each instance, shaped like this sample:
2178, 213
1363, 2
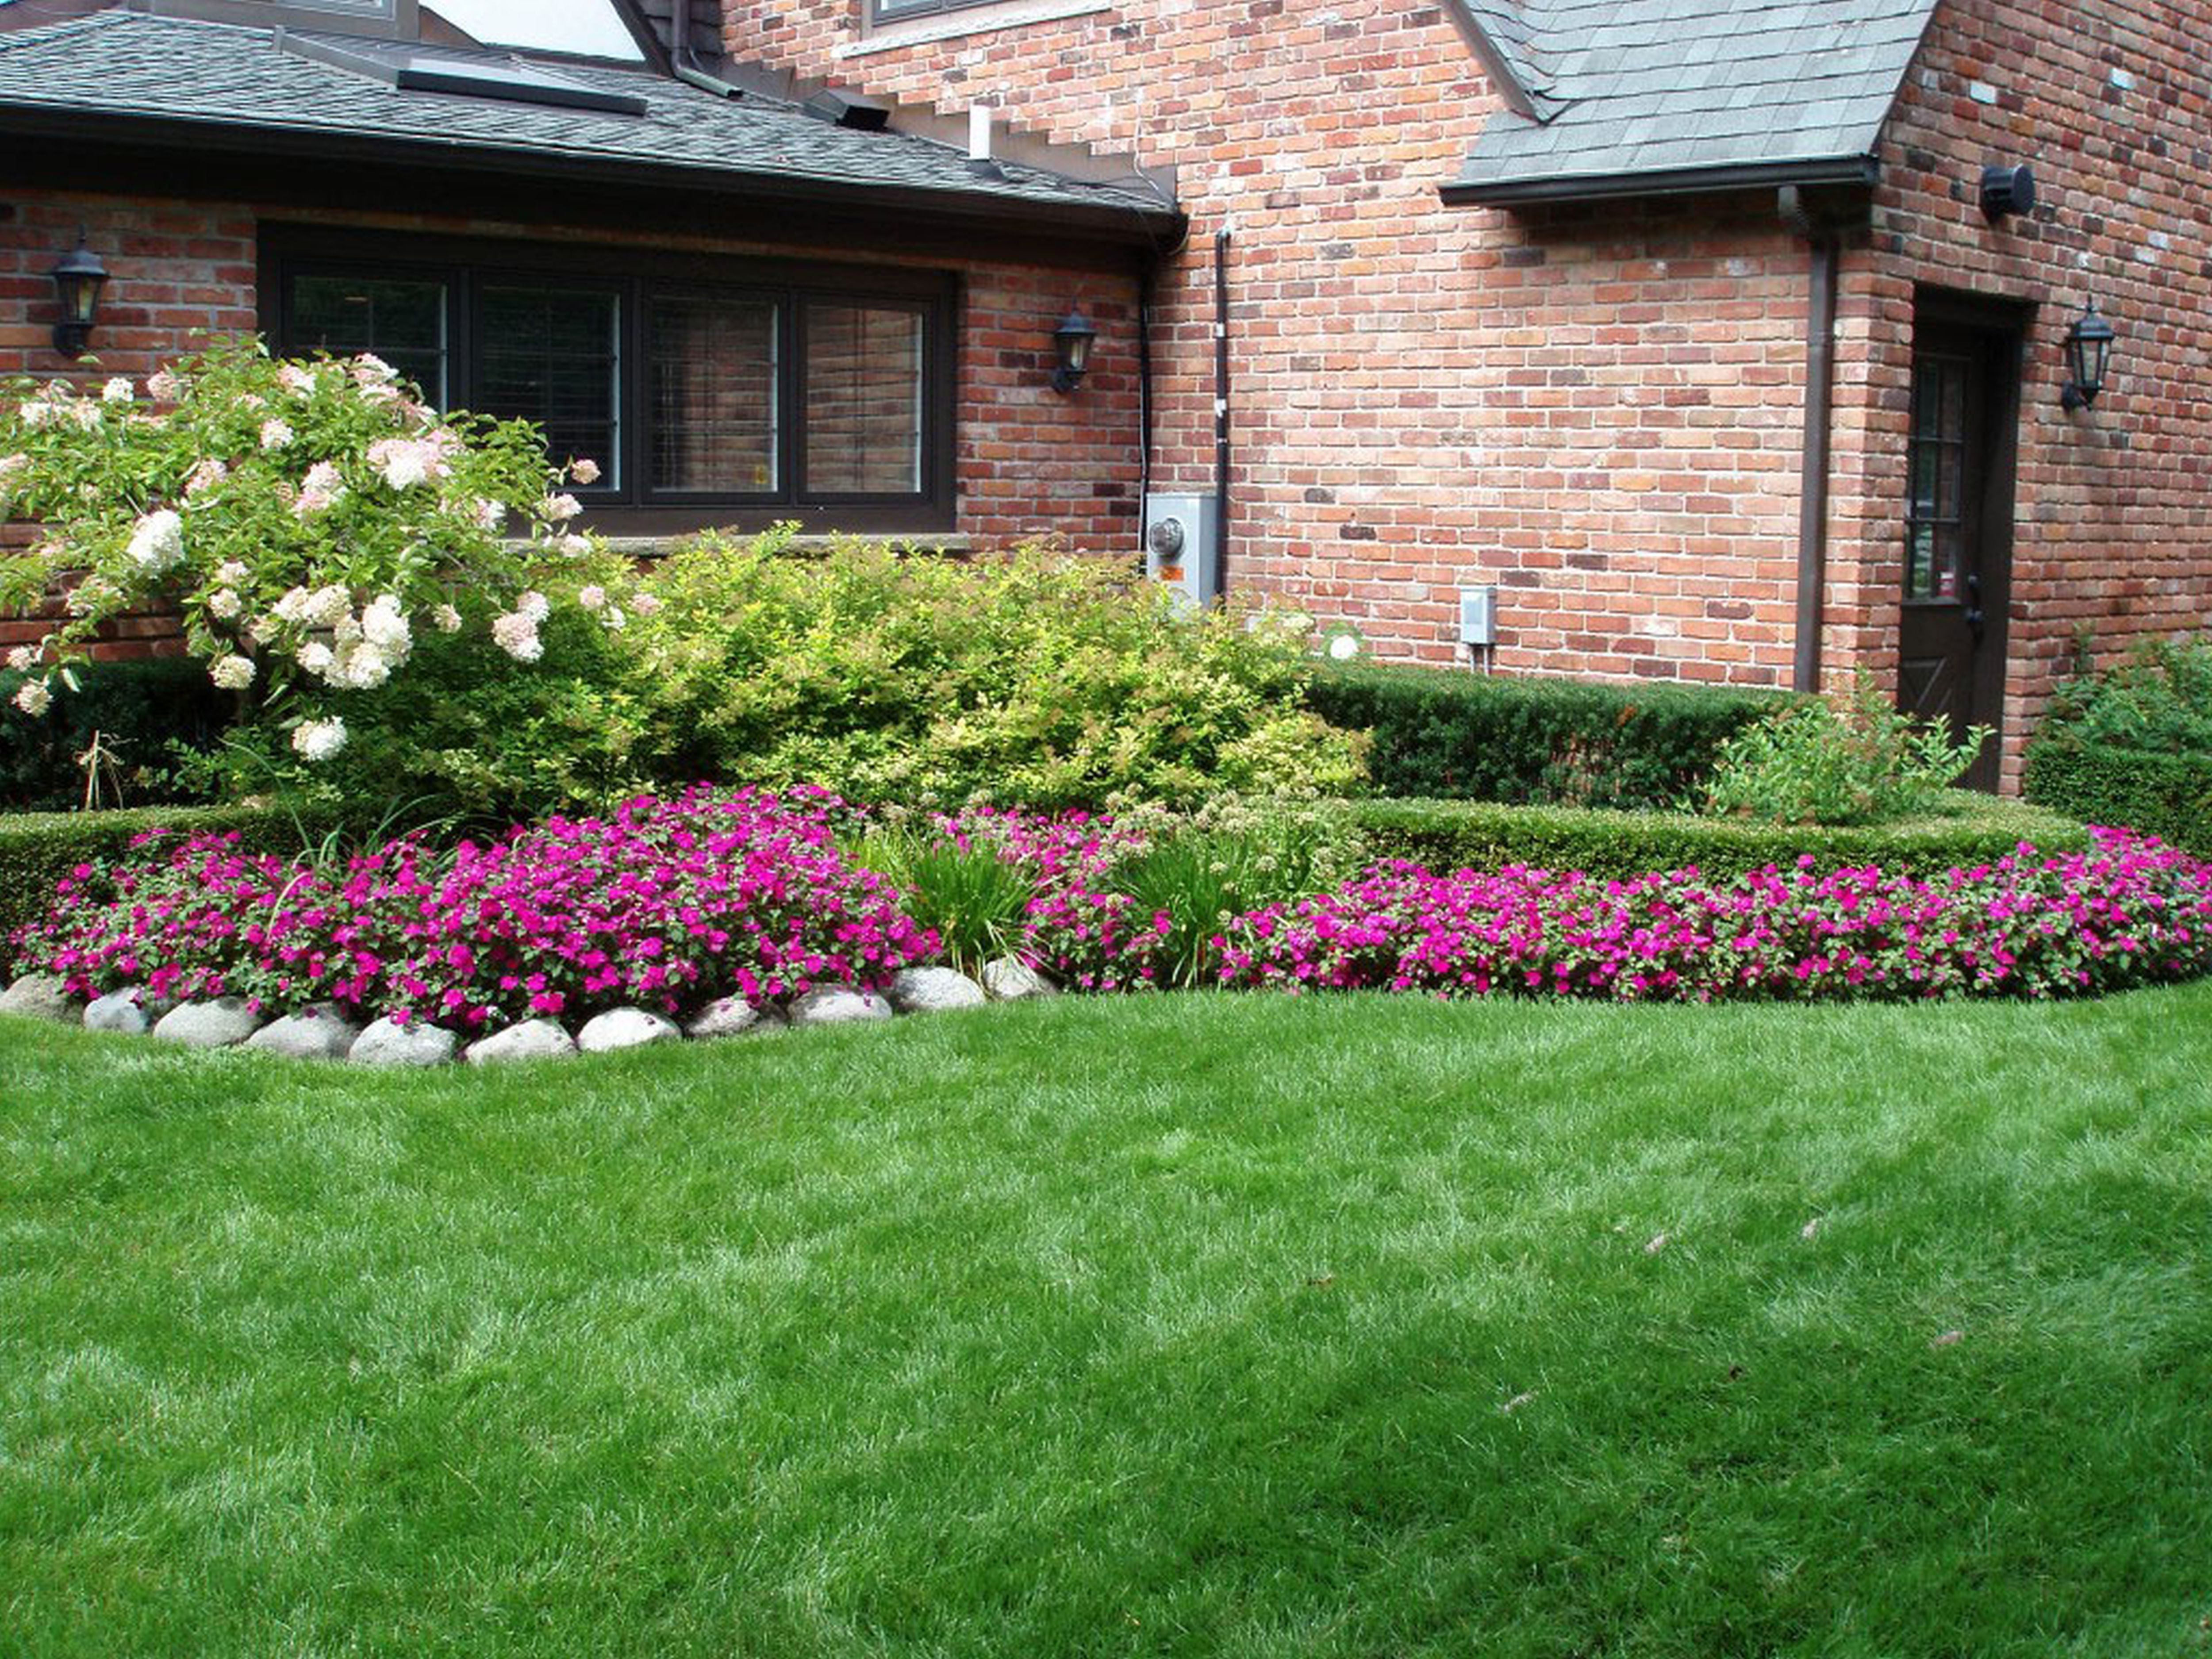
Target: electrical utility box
1478, 615
1179, 550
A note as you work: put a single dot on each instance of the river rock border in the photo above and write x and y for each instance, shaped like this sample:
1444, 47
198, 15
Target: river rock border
321, 1031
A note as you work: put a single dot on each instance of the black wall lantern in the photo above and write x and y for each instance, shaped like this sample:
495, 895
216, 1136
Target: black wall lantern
1071, 345
2088, 348
77, 281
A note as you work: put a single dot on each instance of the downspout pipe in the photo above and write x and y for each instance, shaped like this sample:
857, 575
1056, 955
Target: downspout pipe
1820, 410
1146, 275
1221, 240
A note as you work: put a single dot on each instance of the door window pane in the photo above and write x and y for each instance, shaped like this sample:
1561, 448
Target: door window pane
863, 400
553, 355
713, 363
401, 320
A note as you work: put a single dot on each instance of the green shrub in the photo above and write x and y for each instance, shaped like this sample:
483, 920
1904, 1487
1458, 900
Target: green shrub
1451, 735
1854, 760
138, 709
1036, 680
2165, 795
470, 733
1971, 830
37, 849
2132, 745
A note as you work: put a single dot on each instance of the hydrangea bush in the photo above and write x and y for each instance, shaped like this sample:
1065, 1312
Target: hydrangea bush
308, 519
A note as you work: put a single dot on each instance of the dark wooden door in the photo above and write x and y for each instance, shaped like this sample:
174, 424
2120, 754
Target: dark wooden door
1958, 521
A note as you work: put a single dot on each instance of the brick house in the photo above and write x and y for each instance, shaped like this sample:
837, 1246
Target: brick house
1519, 297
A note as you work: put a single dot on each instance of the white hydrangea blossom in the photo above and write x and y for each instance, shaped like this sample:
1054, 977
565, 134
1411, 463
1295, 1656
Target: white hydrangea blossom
584, 470
232, 573
534, 606
615, 621
118, 390
447, 620
158, 542
317, 740
316, 658
232, 673
1344, 647
163, 387
560, 508
644, 604
327, 607
275, 434
383, 625
21, 659
516, 633
33, 697
223, 605
591, 596
205, 476
301, 382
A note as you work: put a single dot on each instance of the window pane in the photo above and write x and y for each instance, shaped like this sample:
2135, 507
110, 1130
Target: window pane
713, 364
551, 356
863, 400
403, 322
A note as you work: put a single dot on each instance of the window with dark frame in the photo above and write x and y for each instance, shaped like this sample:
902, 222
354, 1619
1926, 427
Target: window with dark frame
895, 11
765, 390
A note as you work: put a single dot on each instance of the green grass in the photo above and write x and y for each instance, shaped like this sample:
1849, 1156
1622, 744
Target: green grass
1198, 1325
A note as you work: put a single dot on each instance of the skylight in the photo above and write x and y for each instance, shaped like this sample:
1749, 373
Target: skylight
409, 68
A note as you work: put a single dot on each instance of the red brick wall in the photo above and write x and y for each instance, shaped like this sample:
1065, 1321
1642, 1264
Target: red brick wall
1599, 413
1030, 463
2107, 103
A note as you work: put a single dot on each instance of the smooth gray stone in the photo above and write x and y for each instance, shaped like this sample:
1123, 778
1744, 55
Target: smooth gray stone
222, 1024
316, 1032
729, 1016
1010, 979
625, 1027
387, 1042
838, 1005
41, 996
533, 1039
931, 990
125, 1010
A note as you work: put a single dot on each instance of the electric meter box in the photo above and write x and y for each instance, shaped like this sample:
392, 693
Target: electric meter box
1179, 547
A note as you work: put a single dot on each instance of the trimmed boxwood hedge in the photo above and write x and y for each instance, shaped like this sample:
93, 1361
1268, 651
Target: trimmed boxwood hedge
2161, 793
1445, 735
1487, 835
37, 849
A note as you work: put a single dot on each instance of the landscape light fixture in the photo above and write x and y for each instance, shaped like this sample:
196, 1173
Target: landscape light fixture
2089, 350
1071, 345
77, 281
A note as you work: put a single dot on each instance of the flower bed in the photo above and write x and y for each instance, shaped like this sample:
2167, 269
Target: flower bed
668, 904
664, 904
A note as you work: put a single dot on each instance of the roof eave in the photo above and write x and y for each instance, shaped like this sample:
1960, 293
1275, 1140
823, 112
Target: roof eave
1858, 171
1134, 224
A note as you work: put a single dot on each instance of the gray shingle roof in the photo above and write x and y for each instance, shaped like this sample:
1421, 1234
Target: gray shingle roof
1653, 89
128, 65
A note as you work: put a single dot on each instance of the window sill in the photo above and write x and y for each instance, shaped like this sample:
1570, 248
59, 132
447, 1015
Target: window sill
921, 31
919, 541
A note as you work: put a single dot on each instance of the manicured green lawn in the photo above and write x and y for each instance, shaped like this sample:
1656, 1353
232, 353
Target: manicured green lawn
1196, 1324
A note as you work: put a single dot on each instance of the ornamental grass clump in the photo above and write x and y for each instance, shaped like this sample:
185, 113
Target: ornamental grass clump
2131, 911
311, 521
